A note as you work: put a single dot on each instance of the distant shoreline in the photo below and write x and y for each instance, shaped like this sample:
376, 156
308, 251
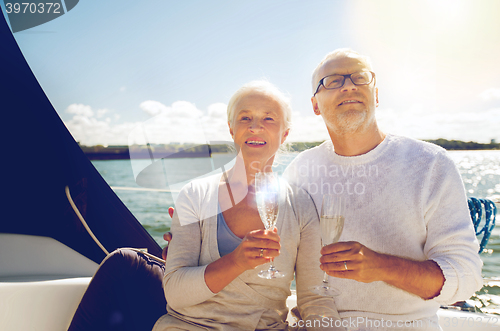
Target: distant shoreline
100, 152
142, 156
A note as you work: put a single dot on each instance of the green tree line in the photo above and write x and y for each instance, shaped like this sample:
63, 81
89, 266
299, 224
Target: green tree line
100, 152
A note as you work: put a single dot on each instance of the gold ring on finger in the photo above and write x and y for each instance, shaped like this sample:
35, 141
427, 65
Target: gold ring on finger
261, 252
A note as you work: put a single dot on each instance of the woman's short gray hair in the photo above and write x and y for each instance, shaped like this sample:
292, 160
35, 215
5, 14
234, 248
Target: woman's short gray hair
263, 87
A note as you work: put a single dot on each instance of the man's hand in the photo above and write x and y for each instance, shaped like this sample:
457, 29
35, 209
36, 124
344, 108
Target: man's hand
353, 260
167, 236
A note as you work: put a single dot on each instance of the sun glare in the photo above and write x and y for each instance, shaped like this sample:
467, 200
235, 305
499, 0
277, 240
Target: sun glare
447, 12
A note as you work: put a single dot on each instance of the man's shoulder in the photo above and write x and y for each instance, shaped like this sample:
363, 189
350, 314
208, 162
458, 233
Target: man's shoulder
293, 190
417, 153
300, 200
417, 147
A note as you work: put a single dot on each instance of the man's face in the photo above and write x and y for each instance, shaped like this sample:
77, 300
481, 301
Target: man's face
348, 109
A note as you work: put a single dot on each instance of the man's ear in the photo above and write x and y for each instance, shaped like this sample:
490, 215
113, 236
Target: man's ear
376, 96
315, 106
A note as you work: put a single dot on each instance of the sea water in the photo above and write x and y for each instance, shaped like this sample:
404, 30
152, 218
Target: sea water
480, 171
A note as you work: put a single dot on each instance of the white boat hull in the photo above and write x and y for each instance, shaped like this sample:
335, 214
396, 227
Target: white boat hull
42, 282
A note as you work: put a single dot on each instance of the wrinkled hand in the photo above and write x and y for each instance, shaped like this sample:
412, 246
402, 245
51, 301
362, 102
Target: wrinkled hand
363, 264
247, 254
167, 236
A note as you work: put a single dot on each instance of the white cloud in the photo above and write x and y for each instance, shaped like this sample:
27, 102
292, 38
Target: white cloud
79, 109
180, 122
183, 122
101, 112
490, 94
179, 109
307, 128
416, 122
184, 109
153, 108
163, 128
218, 110
91, 131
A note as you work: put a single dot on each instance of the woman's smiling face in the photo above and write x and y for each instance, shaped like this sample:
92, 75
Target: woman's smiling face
258, 128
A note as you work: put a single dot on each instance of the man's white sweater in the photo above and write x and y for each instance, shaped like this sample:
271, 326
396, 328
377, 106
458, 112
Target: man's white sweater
405, 198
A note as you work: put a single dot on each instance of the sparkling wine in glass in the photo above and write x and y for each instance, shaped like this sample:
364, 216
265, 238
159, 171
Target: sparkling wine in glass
332, 224
267, 198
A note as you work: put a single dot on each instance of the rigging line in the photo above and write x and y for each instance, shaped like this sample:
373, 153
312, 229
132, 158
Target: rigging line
75, 208
77, 212
138, 250
124, 188
228, 187
63, 3
148, 144
224, 173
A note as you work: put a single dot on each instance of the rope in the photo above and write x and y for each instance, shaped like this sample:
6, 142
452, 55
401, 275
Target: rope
151, 256
77, 212
476, 214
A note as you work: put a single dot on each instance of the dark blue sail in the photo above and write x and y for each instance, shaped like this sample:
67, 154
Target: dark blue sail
39, 158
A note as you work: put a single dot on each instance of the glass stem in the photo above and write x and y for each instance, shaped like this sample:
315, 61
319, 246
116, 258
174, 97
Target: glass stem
325, 279
325, 276
272, 259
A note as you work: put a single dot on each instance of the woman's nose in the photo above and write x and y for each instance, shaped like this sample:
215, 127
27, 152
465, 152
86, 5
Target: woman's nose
255, 125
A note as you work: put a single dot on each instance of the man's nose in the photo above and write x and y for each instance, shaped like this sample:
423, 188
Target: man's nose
348, 85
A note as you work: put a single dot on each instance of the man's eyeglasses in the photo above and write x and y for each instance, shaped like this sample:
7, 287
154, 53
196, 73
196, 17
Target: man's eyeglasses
337, 81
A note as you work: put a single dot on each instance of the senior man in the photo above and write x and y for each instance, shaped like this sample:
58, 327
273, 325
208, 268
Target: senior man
408, 245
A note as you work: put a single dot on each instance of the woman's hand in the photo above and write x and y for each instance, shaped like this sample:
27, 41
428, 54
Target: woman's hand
256, 248
246, 256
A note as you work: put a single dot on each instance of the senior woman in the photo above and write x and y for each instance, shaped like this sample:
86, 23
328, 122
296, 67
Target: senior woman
219, 242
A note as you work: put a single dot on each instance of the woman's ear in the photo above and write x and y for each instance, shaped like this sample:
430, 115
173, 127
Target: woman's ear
285, 135
230, 129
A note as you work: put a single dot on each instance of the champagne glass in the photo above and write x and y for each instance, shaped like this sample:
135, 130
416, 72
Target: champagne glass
332, 224
267, 198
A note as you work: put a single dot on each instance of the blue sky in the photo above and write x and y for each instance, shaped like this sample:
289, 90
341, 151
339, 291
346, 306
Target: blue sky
169, 67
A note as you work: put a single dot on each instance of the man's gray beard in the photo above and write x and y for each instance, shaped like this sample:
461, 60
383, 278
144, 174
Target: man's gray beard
350, 123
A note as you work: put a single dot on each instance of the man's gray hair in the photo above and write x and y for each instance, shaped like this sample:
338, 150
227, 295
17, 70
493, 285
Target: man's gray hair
336, 54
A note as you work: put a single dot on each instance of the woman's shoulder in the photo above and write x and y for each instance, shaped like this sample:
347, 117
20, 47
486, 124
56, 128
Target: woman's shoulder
201, 185
198, 198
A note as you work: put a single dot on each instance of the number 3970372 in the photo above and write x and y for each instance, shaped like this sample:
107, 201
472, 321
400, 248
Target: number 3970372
470, 321
33, 8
